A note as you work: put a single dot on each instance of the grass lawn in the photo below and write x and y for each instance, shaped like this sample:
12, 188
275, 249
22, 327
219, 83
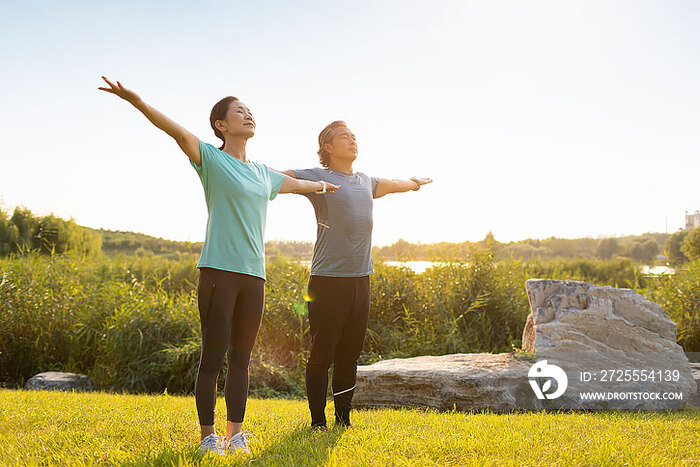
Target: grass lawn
53, 428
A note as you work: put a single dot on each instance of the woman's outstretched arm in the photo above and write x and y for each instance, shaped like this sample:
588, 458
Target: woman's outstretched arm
293, 185
188, 142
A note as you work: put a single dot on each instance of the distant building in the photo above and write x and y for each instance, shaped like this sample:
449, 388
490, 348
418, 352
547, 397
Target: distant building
692, 220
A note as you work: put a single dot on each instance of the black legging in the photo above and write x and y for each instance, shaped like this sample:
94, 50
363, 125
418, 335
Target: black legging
338, 315
230, 311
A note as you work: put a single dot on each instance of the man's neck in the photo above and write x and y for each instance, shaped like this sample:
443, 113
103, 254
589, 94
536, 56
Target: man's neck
342, 167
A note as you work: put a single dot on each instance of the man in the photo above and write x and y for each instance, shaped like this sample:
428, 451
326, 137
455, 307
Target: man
339, 294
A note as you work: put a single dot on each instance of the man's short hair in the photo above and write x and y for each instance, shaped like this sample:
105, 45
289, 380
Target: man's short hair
326, 137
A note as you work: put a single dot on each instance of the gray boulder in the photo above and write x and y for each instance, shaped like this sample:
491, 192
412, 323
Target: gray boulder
469, 382
608, 341
59, 381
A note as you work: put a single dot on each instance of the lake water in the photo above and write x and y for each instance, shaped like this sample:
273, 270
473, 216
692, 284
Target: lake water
421, 266
416, 266
657, 270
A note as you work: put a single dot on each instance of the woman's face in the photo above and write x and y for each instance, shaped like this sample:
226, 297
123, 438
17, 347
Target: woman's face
239, 121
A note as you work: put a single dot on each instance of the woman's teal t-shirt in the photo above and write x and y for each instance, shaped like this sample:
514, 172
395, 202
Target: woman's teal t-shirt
237, 194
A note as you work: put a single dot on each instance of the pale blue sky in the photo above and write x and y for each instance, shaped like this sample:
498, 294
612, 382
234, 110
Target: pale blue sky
534, 118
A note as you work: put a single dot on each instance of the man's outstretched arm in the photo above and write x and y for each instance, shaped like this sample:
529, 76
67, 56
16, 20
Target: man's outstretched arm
386, 186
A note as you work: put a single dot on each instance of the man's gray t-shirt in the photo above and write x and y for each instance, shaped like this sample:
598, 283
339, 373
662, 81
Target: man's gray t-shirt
343, 245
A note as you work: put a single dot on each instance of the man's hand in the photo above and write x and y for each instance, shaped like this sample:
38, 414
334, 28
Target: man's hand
420, 182
386, 186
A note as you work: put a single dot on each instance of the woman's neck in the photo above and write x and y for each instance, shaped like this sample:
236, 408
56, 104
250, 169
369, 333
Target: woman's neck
235, 147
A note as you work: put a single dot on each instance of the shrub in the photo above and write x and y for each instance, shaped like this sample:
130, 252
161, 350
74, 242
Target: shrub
131, 322
679, 296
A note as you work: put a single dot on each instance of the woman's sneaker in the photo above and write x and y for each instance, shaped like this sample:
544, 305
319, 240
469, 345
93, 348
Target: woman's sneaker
239, 443
212, 443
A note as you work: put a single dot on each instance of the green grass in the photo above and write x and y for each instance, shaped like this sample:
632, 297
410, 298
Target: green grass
50, 428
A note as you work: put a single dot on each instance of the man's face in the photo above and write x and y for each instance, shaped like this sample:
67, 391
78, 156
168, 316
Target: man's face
343, 147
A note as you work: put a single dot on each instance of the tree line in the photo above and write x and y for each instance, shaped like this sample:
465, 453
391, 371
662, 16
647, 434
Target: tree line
23, 231
675, 249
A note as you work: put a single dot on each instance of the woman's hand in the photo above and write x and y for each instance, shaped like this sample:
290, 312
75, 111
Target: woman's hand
186, 140
326, 187
294, 185
119, 90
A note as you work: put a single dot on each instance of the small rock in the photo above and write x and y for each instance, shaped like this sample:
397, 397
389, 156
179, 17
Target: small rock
695, 368
59, 381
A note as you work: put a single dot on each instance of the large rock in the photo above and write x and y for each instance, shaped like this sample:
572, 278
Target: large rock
58, 381
610, 341
497, 382
576, 331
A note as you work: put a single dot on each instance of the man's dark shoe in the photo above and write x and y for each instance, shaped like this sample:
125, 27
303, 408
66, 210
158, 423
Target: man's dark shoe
342, 419
318, 427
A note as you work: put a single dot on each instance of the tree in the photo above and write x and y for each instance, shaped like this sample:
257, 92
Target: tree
673, 248
489, 241
27, 227
691, 244
644, 250
48, 234
607, 247
9, 235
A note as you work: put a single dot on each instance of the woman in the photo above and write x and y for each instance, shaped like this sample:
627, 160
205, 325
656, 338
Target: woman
232, 263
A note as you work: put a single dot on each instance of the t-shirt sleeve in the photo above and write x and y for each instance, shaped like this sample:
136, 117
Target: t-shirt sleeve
207, 153
307, 174
375, 182
276, 180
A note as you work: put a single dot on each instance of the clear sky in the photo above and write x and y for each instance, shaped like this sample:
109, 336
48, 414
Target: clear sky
534, 118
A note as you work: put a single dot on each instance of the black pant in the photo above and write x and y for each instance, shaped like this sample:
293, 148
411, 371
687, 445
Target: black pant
338, 314
230, 311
